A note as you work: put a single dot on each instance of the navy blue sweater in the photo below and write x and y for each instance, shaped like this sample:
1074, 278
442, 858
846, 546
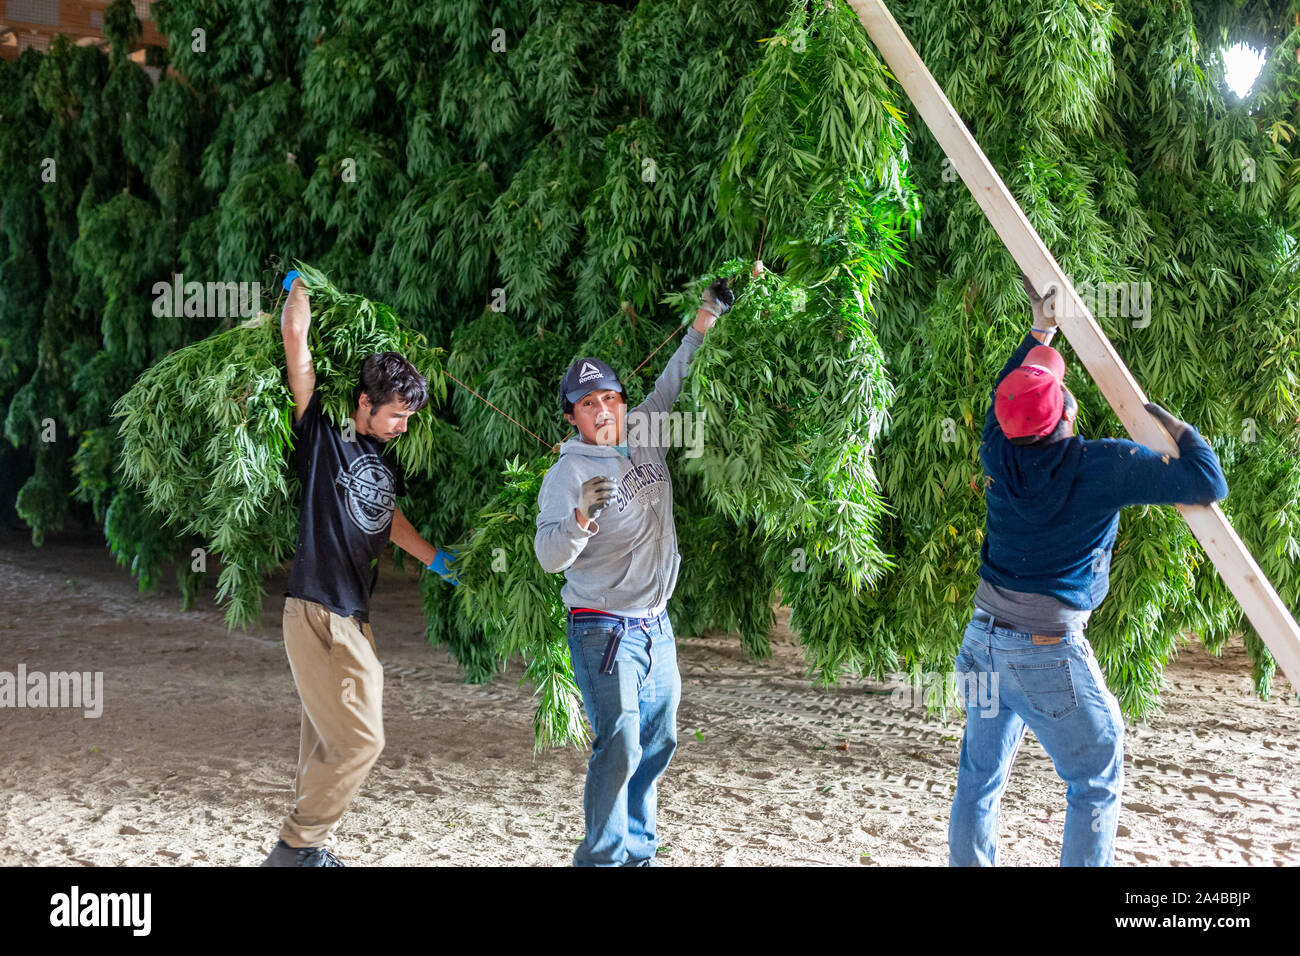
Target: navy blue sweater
1053, 510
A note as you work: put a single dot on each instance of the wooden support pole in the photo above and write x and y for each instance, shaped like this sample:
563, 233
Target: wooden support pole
1234, 562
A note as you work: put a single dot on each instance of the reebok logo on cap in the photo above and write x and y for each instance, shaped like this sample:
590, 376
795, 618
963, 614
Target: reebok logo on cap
588, 375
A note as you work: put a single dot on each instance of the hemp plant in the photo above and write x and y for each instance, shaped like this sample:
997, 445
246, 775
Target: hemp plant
206, 432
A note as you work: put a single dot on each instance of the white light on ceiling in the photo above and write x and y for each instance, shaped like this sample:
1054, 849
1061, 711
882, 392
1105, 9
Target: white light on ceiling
1243, 64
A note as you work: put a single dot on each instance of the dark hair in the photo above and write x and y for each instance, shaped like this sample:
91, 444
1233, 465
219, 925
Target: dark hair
1058, 433
388, 377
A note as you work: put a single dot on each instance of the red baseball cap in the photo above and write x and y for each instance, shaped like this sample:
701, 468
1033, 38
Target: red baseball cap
1029, 402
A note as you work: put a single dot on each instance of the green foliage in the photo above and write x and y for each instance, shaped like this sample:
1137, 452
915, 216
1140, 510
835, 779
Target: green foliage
1131, 164
506, 593
713, 547
793, 396
537, 180
206, 432
818, 111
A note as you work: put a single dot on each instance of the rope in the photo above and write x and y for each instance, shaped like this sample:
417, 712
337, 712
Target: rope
652, 354
283, 291
541, 440
545, 444
630, 374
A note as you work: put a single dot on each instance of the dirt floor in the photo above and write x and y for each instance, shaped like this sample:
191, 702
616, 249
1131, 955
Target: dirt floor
192, 759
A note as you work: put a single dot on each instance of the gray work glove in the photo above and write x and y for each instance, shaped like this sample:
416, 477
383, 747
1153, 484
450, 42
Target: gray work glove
1030, 290
596, 495
718, 298
1175, 426
1042, 321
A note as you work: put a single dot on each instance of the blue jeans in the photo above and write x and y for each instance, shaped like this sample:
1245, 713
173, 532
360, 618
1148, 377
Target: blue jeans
633, 714
1057, 690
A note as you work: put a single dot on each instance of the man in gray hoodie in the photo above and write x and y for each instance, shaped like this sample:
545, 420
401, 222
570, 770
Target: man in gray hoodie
619, 575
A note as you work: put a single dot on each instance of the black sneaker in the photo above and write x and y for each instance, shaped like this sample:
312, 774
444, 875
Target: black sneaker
285, 855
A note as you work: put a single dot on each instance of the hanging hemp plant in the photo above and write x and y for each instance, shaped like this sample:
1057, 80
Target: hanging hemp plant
505, 592
790, 399
1146, 176
206, 432
522, 190
789, 387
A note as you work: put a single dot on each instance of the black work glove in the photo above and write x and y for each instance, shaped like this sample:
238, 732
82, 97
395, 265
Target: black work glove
596, 495
1176, 427
718, 298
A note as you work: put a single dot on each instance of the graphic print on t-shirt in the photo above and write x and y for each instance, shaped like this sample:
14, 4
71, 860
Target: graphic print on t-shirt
350, 488
369, 492
646, 482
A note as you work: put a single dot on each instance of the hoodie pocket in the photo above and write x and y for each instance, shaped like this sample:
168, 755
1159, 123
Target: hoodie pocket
607, 584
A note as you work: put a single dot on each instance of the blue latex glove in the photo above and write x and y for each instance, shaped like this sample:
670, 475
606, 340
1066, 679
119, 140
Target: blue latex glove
441, 566
288, 280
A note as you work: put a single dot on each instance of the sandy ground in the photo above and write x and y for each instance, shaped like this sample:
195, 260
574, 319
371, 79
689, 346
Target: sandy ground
192, 760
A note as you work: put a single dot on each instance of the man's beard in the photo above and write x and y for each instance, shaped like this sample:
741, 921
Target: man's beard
370, 424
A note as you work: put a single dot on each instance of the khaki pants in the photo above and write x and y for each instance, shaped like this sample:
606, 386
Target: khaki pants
340, 681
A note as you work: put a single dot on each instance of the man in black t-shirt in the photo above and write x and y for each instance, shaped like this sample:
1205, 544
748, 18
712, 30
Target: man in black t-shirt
350, 485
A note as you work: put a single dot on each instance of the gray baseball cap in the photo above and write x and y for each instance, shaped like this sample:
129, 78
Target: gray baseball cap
588, 375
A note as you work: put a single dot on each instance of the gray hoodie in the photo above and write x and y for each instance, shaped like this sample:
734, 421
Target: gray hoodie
627, 563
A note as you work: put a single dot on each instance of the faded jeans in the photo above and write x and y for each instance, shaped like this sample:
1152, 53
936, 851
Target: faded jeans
1056, 690
633, 714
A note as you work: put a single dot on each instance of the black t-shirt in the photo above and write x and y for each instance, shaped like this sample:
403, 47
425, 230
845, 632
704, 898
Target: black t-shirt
349, 491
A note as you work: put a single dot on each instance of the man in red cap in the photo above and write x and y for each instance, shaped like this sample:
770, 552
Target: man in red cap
1053, 502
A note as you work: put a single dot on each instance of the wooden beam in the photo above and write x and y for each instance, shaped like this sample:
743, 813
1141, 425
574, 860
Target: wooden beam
1234, 562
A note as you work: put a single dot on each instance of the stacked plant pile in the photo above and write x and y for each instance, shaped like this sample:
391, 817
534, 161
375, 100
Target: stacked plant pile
533, 180
1115, 129
206, 433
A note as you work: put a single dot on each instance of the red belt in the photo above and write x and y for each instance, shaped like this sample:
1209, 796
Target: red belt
590, 610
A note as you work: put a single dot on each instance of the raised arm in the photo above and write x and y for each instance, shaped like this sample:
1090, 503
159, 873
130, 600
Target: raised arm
718, 298
1133, 474
1042, 333
295, 323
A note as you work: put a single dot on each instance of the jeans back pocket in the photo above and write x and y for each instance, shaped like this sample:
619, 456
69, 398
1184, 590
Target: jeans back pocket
1048, 686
